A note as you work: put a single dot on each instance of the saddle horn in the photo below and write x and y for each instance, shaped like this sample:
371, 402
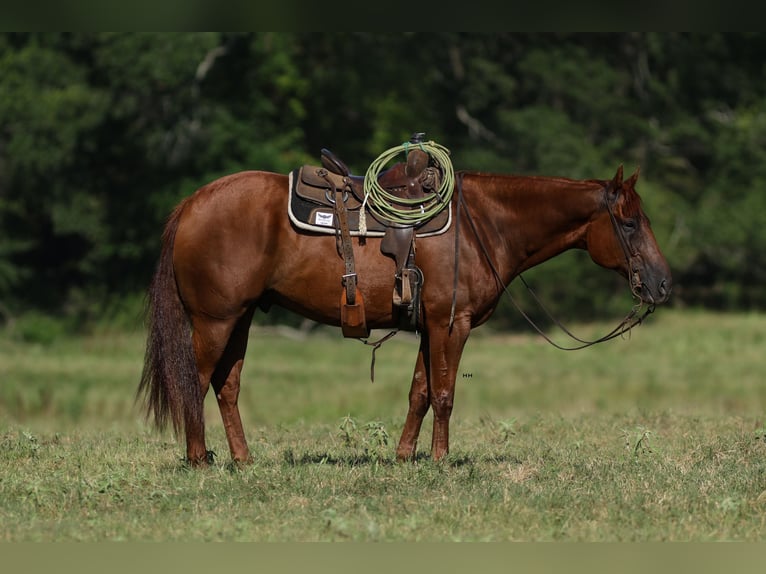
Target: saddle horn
417, 159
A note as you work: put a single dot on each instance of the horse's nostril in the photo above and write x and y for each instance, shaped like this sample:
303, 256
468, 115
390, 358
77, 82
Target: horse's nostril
663, 287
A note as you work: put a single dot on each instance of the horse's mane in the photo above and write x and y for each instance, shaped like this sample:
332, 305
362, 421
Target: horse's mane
629, 207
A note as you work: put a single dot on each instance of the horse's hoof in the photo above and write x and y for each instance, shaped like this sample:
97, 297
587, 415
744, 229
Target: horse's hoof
405, 455
200, 461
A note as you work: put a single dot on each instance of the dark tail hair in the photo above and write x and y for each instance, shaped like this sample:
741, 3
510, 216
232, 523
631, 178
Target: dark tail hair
169, 380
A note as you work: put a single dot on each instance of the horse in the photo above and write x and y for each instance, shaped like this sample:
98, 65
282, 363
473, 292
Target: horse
229, 250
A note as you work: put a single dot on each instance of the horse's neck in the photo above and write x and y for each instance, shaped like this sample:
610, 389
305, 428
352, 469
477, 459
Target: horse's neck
528, 220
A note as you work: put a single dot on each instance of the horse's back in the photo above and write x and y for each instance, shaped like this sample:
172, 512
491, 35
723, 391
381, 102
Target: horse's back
237, 191
235, 199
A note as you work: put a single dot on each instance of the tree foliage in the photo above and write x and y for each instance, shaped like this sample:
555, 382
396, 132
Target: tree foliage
102, 133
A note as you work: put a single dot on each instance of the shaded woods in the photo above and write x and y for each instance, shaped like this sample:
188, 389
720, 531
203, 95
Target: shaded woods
102, 133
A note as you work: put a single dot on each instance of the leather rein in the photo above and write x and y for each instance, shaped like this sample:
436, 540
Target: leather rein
632, 319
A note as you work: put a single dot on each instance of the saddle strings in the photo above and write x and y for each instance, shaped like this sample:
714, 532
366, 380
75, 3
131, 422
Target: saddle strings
631, 320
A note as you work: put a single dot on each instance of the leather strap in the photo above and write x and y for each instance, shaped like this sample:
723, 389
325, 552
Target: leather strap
346, 248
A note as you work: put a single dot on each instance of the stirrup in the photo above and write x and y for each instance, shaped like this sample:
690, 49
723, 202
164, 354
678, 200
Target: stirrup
406, 298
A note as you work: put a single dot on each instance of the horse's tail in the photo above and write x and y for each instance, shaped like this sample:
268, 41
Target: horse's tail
169, 380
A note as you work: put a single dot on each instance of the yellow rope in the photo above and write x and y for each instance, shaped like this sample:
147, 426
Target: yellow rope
400, 210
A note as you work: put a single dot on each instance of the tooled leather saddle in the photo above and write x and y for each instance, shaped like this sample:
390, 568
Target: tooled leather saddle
329, 200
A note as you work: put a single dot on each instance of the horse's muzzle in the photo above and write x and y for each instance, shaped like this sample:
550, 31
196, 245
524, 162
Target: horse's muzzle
656, 292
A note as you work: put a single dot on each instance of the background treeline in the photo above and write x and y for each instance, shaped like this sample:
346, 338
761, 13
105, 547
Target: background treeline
102, 133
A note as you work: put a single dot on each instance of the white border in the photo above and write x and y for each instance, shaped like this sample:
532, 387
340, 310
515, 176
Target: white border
332, 231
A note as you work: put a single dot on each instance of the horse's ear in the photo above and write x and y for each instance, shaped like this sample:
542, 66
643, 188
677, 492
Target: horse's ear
617, 181
631, 182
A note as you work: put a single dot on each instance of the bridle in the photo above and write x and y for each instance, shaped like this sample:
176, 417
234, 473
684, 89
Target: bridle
632, 319
634, 278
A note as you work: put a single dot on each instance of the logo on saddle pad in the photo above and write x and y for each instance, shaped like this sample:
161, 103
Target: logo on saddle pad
323, 219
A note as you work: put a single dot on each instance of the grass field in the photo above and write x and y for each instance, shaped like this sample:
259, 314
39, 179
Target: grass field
659, 436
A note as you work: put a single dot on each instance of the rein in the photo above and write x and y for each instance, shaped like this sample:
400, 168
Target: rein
631, 320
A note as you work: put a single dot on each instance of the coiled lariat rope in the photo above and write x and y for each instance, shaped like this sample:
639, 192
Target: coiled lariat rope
402, 211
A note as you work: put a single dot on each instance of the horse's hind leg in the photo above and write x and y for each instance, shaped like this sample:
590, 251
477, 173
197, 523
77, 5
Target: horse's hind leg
226, 381
210, 338
419, 403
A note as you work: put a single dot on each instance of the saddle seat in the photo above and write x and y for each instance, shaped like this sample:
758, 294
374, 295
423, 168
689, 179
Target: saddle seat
412, 179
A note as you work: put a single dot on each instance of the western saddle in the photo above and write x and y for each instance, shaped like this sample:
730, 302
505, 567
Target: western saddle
338, 198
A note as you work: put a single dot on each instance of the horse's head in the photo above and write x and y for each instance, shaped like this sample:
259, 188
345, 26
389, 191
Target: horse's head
620, 237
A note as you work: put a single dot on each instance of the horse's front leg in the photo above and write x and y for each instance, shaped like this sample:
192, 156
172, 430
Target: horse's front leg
445, 350
419, 402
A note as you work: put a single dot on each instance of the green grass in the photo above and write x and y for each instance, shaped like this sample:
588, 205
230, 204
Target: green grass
656, 437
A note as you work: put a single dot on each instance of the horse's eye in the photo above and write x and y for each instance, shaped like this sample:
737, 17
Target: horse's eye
629, 225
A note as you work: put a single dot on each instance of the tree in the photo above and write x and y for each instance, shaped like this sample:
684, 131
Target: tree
101, 134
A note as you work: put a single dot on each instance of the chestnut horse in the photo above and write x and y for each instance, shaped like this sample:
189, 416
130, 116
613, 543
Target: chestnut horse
230, 249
